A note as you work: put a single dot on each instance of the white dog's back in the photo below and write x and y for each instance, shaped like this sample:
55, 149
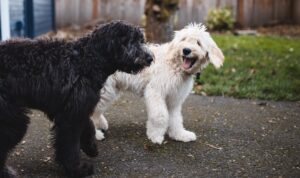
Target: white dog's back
137, 83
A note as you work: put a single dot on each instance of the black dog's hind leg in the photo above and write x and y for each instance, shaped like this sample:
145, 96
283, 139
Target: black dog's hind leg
13, 126
68, 130
88, 140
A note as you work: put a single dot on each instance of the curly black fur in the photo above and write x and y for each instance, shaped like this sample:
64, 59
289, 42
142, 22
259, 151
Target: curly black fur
63, 80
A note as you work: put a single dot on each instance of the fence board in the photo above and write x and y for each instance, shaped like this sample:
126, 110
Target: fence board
264, 12
296, 11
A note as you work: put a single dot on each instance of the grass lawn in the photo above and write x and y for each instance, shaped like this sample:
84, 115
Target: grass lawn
255, 67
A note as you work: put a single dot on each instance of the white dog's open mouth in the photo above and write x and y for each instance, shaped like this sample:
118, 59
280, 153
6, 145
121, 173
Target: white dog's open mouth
188, 62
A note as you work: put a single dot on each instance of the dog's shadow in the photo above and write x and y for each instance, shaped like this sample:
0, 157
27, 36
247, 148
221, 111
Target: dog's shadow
134, 135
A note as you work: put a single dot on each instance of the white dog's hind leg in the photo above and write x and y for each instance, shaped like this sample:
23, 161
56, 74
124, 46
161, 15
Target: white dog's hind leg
99, 135
100, 123
109, 94
157, 123
176, 130
103, 123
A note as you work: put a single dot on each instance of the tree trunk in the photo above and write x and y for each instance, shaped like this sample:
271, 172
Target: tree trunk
160, 16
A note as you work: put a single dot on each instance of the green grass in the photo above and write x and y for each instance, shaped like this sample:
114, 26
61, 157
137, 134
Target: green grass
256, 67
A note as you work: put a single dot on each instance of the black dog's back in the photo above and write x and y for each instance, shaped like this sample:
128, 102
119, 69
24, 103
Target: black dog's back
35, 71
30, 55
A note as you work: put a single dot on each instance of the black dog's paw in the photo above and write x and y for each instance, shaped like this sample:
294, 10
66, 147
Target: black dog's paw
8, 172
86, 169
83, 170
91, 150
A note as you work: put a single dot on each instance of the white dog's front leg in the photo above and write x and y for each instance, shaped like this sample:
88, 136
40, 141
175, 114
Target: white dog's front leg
176, 130
157, 123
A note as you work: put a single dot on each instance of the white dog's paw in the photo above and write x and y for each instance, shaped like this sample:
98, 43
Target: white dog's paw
99, 135
155, 138
103, 123
183, 136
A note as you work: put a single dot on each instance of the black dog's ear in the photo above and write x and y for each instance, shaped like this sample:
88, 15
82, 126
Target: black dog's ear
140, 35
143, 30
110, 35
117, 33
124, 39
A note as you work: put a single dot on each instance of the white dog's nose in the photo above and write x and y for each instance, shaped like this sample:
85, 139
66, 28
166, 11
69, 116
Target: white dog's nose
186, 51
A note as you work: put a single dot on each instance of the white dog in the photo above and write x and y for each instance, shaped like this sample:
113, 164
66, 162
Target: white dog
165, 84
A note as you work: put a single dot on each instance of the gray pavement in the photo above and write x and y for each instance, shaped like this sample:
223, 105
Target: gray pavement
236, 138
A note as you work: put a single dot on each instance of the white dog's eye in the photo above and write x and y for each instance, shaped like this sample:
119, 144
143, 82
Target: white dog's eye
207, 55
198, 42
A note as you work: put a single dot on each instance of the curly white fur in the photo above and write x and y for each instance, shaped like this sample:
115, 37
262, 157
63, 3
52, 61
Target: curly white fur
165, 84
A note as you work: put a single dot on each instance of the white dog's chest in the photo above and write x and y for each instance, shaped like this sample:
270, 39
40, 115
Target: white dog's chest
180, 91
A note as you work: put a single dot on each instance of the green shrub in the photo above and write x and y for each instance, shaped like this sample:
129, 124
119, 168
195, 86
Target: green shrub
220, 19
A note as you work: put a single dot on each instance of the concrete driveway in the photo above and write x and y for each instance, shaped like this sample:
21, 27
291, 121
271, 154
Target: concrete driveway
236, 138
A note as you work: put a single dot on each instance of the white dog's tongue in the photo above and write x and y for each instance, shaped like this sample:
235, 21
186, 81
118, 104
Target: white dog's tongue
186, 63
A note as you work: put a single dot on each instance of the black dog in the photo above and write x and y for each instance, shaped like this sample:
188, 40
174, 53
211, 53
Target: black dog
63, 80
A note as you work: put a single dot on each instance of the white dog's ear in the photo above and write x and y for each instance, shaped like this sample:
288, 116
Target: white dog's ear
216, 56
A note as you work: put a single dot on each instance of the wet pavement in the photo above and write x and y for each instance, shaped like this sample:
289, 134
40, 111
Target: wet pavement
236, 138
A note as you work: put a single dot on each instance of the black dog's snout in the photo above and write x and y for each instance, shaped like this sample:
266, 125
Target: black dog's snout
186, 51
149, 59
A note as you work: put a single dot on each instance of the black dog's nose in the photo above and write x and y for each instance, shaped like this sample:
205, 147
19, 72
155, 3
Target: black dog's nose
186, 51
149, 59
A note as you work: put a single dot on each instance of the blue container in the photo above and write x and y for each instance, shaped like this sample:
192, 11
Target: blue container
31, 18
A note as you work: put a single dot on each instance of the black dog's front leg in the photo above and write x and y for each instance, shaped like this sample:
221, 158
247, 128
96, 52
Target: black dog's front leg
88, 140
67, 147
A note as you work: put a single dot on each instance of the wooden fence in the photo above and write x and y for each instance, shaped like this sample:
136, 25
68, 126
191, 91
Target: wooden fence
69, 12
264, 12
248, 13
